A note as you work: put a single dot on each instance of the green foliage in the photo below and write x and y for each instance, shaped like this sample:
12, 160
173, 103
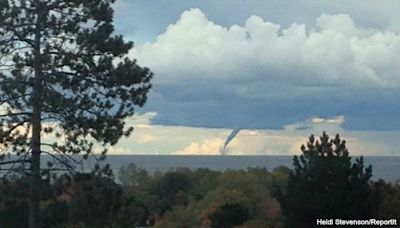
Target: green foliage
182, 198
85, 207
229, 215
180, 216
79, 200
388, 200
213, 196
13, 204
130, 175
204, 184
250, 190
280, 177
326, 184
169, 189
55, 214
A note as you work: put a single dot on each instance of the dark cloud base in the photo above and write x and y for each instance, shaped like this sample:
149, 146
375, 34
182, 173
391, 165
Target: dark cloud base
375, 109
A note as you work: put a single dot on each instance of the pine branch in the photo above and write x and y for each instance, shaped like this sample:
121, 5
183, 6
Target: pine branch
28, 41
11, 129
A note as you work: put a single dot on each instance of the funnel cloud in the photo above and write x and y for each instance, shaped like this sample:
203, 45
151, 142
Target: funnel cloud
231, 136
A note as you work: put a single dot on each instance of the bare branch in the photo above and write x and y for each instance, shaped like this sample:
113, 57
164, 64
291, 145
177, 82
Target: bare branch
11, 169
13, 98
15, 161
61, 161
16, 114
54, 147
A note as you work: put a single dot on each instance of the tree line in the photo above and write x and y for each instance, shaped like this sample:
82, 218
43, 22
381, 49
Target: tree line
324, 183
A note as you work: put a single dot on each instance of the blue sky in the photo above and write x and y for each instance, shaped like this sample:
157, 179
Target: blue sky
262, 66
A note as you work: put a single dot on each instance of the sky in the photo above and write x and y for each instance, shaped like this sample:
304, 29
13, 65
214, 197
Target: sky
274, 72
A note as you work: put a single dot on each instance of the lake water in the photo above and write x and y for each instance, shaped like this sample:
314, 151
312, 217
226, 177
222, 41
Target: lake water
384, 167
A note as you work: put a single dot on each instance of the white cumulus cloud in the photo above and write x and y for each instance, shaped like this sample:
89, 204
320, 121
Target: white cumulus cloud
251, 57
207, 147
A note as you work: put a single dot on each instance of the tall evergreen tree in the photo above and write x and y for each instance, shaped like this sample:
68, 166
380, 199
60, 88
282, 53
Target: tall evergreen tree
326, 184
63, 72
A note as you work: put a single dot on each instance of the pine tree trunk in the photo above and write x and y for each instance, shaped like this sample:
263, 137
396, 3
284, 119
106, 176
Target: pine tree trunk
34, 204
35, 171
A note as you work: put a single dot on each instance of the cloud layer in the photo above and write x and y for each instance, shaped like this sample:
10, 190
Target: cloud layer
335, 52
259, 74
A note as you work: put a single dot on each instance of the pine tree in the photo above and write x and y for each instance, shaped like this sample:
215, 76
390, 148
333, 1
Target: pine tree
64, 73
326, 184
